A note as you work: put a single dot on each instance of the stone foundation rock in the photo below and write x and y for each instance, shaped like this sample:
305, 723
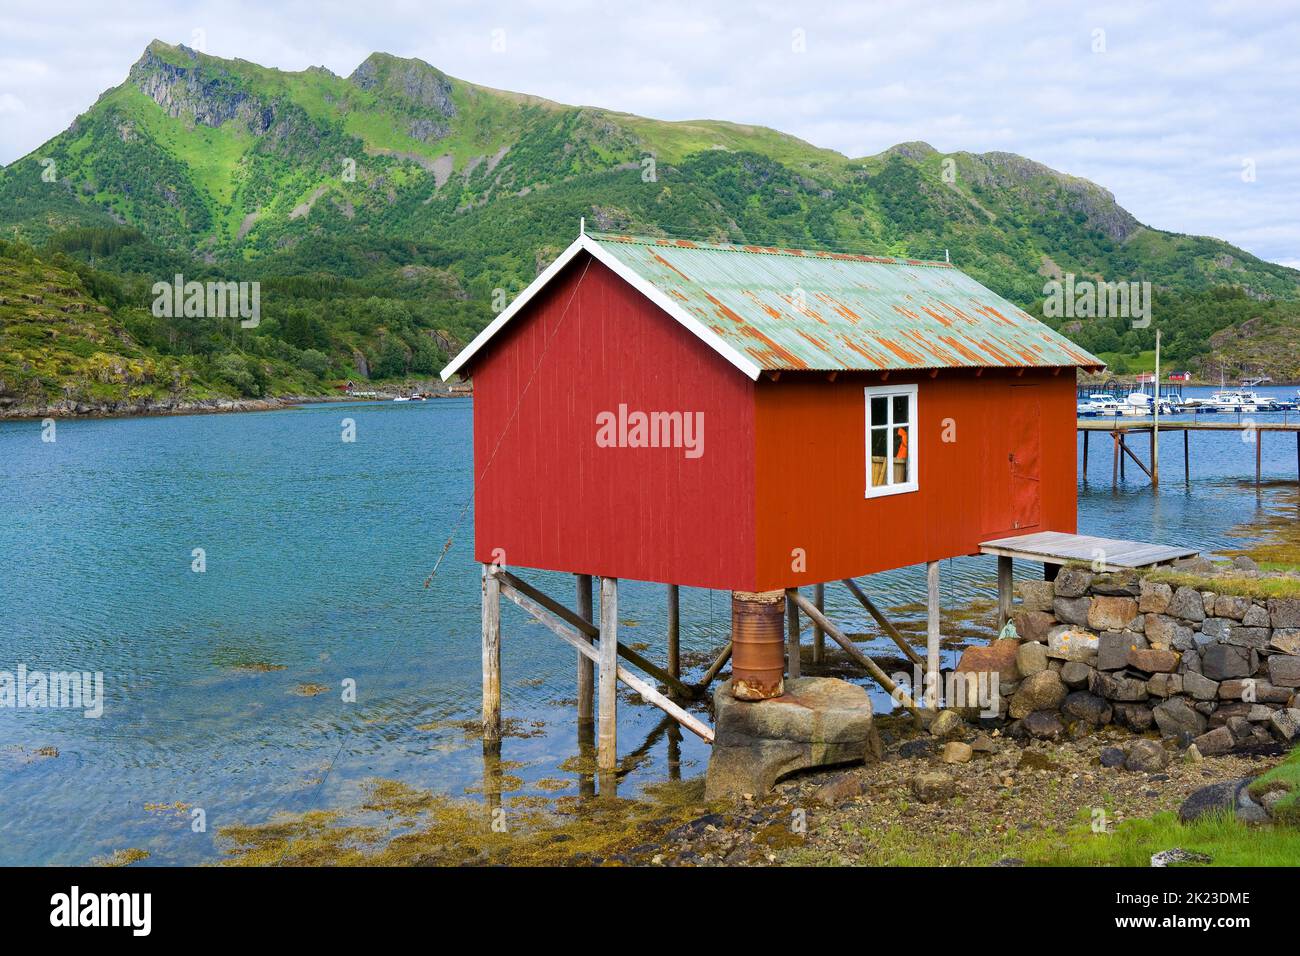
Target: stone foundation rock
817, 722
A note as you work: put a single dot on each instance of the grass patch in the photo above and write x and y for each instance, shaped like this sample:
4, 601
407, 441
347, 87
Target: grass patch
1285, 777
1221, 837
1241, 585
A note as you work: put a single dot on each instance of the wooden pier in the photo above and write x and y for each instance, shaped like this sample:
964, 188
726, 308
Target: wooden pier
1120, 430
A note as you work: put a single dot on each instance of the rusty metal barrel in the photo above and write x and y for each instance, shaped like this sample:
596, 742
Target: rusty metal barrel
757, 644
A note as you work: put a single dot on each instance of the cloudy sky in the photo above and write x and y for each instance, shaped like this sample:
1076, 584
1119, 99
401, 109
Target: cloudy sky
1189, 112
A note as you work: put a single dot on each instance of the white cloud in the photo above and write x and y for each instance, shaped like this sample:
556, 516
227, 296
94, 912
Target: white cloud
1162, 118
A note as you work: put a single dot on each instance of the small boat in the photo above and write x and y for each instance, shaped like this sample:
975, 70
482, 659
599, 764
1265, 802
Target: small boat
1234, 401
402, 398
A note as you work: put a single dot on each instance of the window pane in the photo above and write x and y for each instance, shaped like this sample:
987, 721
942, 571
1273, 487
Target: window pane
879, 410
902, 449
900, 409
879, 457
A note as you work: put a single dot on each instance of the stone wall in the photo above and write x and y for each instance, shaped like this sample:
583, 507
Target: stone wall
1216, 670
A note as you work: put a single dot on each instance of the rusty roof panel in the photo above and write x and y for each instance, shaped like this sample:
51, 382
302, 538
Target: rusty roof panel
793, 309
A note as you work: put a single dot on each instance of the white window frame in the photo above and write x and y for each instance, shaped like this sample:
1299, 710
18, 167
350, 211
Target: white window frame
893, 391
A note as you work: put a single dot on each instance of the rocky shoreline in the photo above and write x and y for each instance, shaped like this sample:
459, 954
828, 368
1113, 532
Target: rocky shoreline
204, 406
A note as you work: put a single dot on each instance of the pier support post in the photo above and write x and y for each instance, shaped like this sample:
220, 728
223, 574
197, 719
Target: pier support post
1187, 468
607, 741
819, 634
491, 655
1114, 468
1259, 451
1155, 455
674, 631
932, 633
792, 639
1004, 591
1085, 454
586, 669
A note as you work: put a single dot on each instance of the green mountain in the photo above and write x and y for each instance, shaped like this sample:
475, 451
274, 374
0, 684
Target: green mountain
387, 213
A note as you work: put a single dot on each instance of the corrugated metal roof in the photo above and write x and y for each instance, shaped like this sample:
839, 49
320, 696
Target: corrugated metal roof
791, 309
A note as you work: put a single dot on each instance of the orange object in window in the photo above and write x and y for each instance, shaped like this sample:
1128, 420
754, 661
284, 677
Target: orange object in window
901, 453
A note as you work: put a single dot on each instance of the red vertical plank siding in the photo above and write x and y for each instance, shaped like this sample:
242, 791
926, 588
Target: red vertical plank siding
550, 498
811, 473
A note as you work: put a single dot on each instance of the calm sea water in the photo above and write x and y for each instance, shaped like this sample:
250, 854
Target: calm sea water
316, 555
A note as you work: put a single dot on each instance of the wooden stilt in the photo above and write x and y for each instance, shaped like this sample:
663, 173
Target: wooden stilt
674, 631
1085, 455
491, 654
714, 669
586, 670
1187, 468
607, 740
1155, 457
1004, 591
1123, 446
1259, 446
932, 632
1297, 456
1114, 469
819, 635
791, 639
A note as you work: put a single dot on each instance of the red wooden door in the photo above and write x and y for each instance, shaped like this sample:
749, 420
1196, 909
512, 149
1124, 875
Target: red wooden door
1025, 456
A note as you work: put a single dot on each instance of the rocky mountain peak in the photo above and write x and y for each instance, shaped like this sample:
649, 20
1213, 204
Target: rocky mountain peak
412, 81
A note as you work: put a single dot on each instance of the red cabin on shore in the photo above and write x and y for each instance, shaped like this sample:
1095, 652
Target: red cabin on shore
750, 418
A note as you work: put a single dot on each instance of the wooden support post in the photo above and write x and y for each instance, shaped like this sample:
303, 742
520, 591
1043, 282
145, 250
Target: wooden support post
1259, 446
932, 632
1004, 591
1114, 469
1155, 456
792, 639
714, 669
586, 670
1297, 456
1187, 468
674, 631
1123, 446
607, 739
1085, 454
819, 634
491, 655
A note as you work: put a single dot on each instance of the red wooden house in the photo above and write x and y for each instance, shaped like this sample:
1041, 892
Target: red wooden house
868, 412
749, 418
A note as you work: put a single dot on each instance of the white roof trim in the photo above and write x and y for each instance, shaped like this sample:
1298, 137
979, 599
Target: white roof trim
647, 289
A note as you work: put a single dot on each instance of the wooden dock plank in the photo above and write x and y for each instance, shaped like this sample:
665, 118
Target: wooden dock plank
1058, 547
